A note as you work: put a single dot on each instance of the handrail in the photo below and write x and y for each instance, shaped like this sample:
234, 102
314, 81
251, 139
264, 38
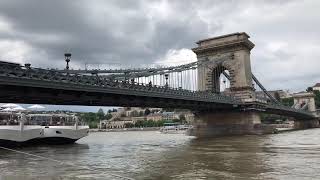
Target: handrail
51, 75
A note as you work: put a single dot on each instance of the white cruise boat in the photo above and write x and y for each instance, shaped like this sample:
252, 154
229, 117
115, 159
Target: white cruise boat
13, 131
21, 129
174, 128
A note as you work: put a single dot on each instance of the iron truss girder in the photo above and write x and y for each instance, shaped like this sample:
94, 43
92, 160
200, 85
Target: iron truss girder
23, 84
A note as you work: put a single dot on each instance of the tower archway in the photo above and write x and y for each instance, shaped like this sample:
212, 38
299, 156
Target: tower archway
229, 52
219, 79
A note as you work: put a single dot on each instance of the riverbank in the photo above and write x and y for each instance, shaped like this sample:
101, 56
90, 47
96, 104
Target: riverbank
126, 129
278, 128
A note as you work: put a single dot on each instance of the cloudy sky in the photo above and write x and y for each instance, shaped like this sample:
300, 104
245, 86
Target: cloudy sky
286, 33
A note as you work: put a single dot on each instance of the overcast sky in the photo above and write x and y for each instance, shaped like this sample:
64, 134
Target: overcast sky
286, 33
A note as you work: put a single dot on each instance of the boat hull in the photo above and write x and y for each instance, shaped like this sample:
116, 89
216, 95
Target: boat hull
35, 135
15, 135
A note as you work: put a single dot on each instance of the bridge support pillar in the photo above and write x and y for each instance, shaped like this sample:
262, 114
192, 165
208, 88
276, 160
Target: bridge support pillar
313, 123
228, 123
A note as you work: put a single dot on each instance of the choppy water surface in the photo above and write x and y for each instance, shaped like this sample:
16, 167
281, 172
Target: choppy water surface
151, 155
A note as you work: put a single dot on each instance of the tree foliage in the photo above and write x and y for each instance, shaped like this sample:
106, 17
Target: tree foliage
287, 101
147, 112
317, 98
100, 114
309, 89
277, 96
112, 110
90, 118
134, 113
108, 116
93, 119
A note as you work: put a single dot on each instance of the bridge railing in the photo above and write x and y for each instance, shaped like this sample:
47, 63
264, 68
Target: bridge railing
26, 72
287, 108
51, 75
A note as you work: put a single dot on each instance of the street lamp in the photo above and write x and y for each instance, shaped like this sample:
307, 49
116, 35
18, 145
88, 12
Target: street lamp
67, 58
166, 76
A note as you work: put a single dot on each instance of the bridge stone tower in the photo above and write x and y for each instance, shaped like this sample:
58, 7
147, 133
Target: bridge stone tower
304, 100
229, 52
216, 55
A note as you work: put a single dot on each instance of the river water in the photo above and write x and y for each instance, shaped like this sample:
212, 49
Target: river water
151, 155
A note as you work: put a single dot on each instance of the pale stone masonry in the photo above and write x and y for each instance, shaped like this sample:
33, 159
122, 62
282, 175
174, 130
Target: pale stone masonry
303, 98
316, 87
216, 55
229, 52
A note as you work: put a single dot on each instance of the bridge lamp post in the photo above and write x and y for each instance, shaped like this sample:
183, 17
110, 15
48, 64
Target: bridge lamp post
166, 76
67, 58
27, 65
253, 86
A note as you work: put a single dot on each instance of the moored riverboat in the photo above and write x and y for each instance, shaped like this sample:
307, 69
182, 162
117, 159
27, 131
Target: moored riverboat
174, 128
18, 129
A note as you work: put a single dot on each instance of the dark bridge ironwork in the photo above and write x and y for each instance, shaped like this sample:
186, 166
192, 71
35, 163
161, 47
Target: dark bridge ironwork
25, 84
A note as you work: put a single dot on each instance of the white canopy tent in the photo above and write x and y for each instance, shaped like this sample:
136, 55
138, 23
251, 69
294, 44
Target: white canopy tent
36, 107
8, 109
19, 108
10, 105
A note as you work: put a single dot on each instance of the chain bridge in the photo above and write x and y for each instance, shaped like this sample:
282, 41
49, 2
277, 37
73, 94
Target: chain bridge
219, 85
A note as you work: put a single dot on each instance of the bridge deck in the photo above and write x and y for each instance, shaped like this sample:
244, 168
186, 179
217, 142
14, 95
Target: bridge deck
34, 85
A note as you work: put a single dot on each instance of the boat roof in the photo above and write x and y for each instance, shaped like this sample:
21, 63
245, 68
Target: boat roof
48, 115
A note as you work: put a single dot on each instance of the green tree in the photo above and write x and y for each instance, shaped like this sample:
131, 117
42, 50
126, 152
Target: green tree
287, 101
139, 123
108, 116
182, 117
160, 123
134, 113
176, 120
277, 96
309, 89
90, 118
317, 98
93, 125
100, 114
147, 112
128, 125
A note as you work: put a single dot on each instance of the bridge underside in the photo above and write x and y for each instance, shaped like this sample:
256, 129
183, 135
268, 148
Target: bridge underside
36, 95
278, 110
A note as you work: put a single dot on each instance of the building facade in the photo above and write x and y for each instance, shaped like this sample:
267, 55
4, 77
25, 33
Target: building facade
316, 87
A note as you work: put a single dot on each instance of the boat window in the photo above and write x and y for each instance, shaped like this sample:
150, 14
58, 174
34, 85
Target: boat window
7, 118
10, 118
52, 120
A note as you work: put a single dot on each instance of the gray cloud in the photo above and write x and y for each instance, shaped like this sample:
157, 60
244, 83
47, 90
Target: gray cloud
102, 31
133, 32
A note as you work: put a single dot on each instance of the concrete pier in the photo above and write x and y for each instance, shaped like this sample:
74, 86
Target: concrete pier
306, 124
229, 123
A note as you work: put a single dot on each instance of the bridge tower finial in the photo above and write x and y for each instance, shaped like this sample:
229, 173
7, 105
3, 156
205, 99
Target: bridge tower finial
67, 57
166, 77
